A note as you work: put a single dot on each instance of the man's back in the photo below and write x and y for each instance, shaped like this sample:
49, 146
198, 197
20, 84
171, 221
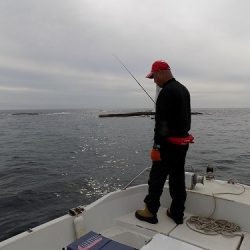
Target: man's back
173, 109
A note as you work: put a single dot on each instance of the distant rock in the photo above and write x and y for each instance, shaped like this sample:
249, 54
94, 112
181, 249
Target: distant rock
145, 113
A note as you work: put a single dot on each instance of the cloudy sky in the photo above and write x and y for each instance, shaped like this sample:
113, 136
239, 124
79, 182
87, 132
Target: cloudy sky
59, 53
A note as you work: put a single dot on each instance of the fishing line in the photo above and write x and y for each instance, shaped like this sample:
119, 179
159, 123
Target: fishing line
119, 60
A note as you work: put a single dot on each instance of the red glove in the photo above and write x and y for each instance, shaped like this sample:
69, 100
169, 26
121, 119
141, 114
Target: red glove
155, 154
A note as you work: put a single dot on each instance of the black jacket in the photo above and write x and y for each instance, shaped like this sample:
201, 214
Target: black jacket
173, 112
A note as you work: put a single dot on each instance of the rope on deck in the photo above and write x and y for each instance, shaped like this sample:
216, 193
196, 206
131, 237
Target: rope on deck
210, 226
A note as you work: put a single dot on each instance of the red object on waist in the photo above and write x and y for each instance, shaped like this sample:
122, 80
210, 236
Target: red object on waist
181, 140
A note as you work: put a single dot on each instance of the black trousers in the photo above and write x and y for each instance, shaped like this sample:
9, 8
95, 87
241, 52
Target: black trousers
172, 164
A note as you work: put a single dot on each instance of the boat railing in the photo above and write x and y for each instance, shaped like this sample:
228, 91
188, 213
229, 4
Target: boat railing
144, 170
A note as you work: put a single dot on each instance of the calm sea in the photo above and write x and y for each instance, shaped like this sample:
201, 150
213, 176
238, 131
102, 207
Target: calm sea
58, 159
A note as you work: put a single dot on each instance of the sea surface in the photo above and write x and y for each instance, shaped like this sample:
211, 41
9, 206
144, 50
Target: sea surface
53, 160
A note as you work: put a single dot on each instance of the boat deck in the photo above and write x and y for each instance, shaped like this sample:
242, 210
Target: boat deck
167, 235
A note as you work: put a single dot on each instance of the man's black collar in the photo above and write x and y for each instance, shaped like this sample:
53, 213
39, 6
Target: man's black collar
168, 81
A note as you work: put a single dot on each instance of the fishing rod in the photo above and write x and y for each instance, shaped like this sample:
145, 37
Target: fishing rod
119, 60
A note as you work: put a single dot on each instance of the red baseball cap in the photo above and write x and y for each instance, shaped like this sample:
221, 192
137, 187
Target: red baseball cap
156, 66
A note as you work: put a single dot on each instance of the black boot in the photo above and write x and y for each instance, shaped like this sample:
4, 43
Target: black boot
176, 220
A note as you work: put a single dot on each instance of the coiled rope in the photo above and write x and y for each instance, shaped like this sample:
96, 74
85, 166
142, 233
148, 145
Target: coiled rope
210, 226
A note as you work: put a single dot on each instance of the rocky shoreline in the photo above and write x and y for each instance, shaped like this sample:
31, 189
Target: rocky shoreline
146, 113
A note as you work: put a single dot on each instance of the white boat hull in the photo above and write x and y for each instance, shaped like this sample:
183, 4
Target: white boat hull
113, 216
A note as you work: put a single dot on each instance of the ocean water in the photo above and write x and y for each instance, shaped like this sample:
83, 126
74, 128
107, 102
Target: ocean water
54, 160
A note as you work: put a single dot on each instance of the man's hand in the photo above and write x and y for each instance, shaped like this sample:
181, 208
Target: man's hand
155, 154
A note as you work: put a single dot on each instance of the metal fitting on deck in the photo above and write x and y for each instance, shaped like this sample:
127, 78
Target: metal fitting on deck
76, 211
210, 173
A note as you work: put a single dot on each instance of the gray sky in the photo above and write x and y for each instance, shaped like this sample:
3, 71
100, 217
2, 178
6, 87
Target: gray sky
59, 53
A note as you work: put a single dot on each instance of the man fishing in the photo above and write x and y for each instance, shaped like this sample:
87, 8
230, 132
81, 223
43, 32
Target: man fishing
171, 142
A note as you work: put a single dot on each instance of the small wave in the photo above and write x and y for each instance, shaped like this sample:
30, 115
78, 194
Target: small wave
26, 113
